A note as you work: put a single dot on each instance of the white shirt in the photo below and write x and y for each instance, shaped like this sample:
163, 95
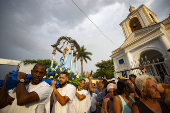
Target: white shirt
69, 90
93, 106
42, 89
81, 105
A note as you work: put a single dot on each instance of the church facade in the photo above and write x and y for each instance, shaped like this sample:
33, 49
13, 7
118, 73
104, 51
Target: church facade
147, 42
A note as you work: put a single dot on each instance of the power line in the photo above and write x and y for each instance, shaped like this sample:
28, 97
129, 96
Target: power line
92, 22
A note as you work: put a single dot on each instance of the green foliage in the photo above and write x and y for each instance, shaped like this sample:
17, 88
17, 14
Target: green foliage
104, 68
18, 66
84, 74
76, 81
46, 62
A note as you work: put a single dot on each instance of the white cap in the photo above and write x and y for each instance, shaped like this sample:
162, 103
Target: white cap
111, 85
113, 79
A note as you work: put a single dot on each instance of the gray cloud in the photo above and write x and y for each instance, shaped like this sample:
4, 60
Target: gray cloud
29, 28
161, 9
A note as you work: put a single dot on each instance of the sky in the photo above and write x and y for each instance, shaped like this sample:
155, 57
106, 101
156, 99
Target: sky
29, 28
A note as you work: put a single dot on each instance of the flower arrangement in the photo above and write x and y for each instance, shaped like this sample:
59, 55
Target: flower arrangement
53, 74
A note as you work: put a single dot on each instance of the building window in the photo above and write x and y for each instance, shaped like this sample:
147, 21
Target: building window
121, 61
124, 74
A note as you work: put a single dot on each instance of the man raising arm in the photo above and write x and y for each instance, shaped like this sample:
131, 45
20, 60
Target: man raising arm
63, 97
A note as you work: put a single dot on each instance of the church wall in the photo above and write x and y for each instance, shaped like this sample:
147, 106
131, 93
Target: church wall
128, 27
143, 17
142, 40
152, 36
146, 15
121, 67
125, 30
140, 19
153, 45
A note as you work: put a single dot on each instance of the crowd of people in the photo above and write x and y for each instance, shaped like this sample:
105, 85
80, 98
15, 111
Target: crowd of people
138, 94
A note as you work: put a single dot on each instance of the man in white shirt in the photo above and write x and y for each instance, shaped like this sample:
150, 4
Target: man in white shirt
62, 100
31, 98
82, 99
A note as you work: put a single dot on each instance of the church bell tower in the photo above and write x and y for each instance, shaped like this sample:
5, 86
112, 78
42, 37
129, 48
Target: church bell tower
137, 19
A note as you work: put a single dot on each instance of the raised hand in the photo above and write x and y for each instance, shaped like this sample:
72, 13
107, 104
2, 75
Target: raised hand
21, 75
143, 70
53, 84
88, 75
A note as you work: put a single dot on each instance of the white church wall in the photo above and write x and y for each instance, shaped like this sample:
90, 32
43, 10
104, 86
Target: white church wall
153, 45
143, 17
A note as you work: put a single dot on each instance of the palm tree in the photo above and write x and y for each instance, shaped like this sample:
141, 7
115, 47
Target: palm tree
83, 54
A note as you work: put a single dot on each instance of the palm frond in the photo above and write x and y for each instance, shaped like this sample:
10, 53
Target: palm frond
85, 60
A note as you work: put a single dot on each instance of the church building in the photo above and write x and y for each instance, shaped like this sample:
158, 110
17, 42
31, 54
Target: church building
147, 42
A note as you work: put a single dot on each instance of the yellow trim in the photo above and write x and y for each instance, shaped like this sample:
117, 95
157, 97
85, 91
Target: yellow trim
140, 40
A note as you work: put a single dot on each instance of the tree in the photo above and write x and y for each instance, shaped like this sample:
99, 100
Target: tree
104, 68
83, 55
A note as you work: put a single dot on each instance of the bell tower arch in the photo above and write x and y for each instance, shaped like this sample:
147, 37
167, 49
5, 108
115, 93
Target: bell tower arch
138, 19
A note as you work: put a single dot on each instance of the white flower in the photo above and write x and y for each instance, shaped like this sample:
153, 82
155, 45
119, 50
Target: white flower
75, 73
77, 76
56, 67
61, 69
47, 70
51, 76
69, 71
44, 77
52, 69
56, 74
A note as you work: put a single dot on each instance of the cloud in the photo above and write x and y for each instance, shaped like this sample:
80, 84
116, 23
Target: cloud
29, 28
161, 9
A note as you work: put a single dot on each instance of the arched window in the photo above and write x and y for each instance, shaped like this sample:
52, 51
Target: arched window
135, 24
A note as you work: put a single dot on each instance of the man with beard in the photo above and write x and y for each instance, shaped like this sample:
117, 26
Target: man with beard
31, 98
62, 100
82, 99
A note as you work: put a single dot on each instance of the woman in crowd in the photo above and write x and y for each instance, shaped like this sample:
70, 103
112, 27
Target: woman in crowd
150, 94
107, 105
123, 102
